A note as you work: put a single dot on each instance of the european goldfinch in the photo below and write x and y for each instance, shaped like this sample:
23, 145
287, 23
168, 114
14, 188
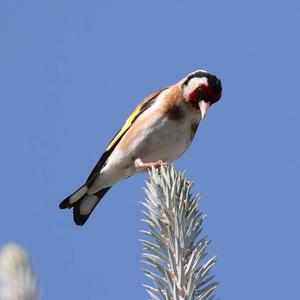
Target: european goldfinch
159, 131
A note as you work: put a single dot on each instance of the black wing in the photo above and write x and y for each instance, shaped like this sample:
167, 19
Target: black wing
143, 106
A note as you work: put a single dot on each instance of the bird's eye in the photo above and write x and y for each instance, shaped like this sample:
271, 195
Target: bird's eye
199, 91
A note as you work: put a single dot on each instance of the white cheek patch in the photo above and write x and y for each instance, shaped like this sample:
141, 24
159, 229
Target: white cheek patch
193, 84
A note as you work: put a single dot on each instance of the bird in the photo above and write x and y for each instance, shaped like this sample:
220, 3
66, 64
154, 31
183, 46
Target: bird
158, 131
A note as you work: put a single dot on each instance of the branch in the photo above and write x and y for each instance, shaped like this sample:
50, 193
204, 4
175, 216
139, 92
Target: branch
172, 251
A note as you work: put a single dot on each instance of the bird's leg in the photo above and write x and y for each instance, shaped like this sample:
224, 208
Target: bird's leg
139, 164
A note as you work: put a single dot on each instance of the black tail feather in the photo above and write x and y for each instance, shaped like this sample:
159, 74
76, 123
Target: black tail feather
66, 202
79, 218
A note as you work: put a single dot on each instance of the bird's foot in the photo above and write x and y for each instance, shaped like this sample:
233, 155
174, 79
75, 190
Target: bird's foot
142, 165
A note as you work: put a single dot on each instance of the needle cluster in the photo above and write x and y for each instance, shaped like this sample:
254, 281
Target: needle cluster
173, 252
17, 281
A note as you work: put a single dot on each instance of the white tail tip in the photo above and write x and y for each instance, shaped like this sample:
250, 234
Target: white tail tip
77, 195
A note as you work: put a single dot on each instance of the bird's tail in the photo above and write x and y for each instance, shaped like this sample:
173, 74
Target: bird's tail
82, 203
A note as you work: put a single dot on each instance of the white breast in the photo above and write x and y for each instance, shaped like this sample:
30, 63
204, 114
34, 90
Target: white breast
165, 140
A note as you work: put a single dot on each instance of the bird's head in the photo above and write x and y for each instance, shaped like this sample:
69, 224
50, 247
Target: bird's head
201, 89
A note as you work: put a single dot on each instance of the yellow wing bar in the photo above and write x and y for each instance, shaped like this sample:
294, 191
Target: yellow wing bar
145, 104
125, 127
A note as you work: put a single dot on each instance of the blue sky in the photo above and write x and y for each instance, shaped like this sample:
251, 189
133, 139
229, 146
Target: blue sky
72, 71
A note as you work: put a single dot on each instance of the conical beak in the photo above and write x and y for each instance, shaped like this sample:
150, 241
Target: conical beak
204, 106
